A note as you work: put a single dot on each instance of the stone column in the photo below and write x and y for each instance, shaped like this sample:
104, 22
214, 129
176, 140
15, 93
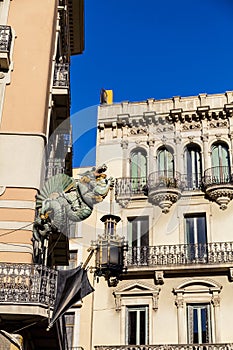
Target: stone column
216, 304
177, 161
181, 319
206, 156
124, 145
151, 163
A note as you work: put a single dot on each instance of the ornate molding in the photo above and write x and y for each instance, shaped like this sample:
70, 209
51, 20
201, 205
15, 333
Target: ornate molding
158, 277
124, 144
135, 290
164, 198
221, 194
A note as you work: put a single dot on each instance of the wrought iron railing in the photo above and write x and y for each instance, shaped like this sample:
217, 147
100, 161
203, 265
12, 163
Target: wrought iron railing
130, 186
5, 39
25, 283
217, 176
180, 254
164, 179
61, 75
210, 346
191, 181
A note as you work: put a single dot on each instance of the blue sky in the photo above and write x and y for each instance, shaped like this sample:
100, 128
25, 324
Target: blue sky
154, 48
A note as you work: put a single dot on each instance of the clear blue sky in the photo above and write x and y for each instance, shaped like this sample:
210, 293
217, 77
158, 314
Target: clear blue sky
151, 48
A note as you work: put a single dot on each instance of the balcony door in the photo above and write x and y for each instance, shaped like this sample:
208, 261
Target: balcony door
193, 167
138, 238
165, 163
196, 238
137, 325
220, 163
199, 323
138, 169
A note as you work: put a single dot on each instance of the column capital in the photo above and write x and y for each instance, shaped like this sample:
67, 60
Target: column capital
124, 144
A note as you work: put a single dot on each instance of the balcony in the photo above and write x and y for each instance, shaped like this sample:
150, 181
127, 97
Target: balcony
164, 189
217, 256
191, 182
128, 188
218, 185
27, 286
61, 90
5, 47
209, 346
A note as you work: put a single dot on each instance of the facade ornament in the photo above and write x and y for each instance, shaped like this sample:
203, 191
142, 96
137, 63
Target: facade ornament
158, 277
151, 142
215, 300
134, 290
218, 136
191, 138
164, 139
179, 302
221, 195
231, 274
64, 199
231, 135
124, 202
164, 198
124, 144
205, 137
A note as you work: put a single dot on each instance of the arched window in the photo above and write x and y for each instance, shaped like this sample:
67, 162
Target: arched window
138, 163
165, 162
193, 166
220, 162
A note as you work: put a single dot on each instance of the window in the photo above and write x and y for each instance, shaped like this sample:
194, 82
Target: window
69, 321
138, 238
199, 325
165, 162
196, 237
193, 168
220, 162
138, 163
137, 325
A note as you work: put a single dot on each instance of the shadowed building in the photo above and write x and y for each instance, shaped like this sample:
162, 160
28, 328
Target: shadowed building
37, 40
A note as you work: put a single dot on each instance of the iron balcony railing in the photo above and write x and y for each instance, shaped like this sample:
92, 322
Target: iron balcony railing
218, 175
5, 39
191, 181
210, 346
26, 283
130, 186
180, 254
164, 179
61, 75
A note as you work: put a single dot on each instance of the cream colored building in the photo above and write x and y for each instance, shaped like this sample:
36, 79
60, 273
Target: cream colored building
172, 160
37, 39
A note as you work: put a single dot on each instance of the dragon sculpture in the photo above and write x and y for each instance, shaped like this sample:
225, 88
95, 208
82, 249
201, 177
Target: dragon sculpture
65, 199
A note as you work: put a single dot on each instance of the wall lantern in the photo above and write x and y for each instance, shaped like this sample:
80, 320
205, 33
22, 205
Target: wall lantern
110, 252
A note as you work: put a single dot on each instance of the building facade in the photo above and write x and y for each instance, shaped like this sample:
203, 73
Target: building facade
37, 40
172, 160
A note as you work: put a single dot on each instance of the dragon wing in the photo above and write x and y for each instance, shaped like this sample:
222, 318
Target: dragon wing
56, 184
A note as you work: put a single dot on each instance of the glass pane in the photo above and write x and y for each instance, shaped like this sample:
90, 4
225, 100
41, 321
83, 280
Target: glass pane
132, 317
201, 229
139, 164
142, 327
195, 326
189, 225
145, 232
